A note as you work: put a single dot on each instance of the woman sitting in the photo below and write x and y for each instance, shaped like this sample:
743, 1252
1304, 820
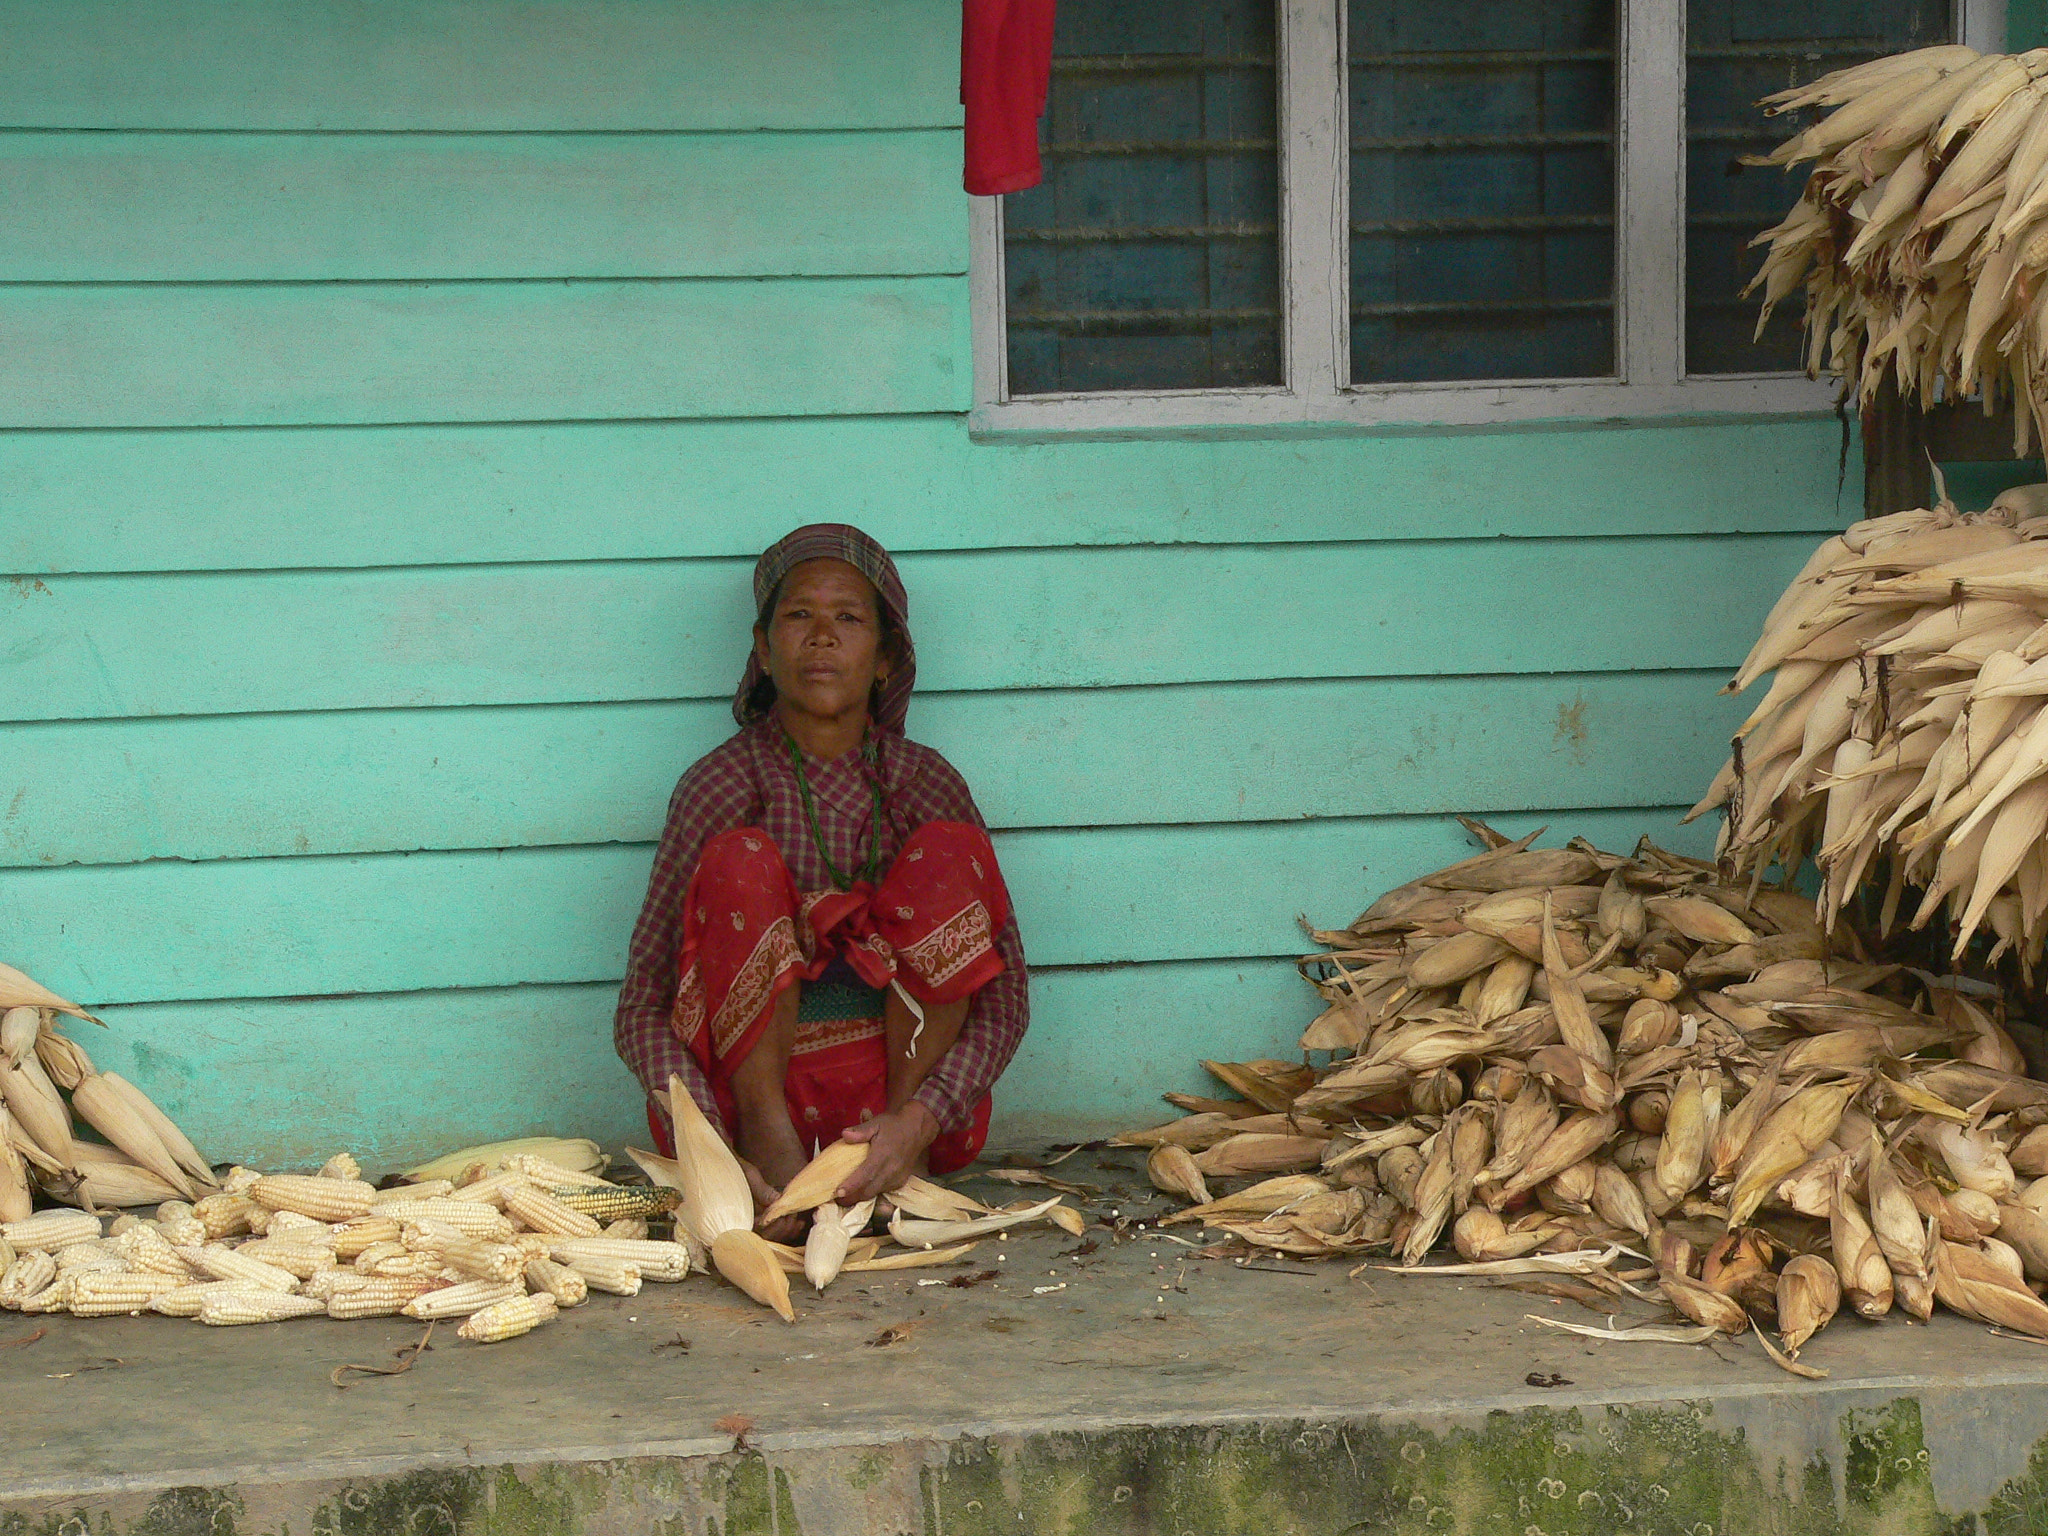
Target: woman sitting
827, 948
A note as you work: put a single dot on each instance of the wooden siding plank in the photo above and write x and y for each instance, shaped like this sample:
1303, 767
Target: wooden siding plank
81, 647
312, 1075
180, 207
479, 65
281, 354
311, 497
243, 786
416, 922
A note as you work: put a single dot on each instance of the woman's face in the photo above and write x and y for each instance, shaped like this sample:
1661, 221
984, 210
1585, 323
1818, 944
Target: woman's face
822, 644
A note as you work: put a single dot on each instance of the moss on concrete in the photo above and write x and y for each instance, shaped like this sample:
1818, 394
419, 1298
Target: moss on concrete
1671, 1470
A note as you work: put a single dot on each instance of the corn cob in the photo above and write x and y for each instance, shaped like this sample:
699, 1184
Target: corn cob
54, 1297
462, 1299
615, 1277
550, 1174
508, 1319
484, 1261
145, 1248
655, 1261
113, 1292
184, 1301
352, 1237
314, 1195
606, 1202
25, 1277
541, 1212
489, 1189
633, 1227
225, 1215
568, 1288
395, 1262
375, 1298
98, 1254
289, 1226
236, 1304
300, 1260
231, 1264
474, 1219
342, 1166
423, 1189
51, 1231
580, 1156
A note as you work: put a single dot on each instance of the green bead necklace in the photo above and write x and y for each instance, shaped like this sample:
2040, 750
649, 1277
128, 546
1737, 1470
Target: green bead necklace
873, 866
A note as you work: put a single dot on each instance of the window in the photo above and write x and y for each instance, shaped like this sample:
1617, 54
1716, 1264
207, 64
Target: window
1258, 212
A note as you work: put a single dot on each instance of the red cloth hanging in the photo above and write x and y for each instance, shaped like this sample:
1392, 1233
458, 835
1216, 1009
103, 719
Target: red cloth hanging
1005, 67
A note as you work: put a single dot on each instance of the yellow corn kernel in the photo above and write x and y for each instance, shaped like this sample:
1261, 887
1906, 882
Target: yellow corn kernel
508, 1319
311, 1195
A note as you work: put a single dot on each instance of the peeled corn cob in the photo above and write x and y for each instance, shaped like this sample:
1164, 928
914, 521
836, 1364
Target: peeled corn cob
508, 1319
561, 1282
51, 1231
375, 1298
608, 1202
655, 1261
230, 1264
185, 1300
475, 1219
28, 1275
461, 1300
615, 1277
113, 1292
324, 1199
237, 1304
341, 1166
542, 1212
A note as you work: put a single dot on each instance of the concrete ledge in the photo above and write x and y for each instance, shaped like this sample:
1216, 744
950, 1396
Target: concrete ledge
1154, 1392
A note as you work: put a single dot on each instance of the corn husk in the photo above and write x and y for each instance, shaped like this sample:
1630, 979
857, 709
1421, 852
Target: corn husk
744, 1257
1172, 1169
818, 1180
1809, 1291
716, 1196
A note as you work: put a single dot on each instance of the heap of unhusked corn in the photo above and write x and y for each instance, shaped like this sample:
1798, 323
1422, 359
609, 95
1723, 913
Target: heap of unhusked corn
1903, 741
145, 1157
1543, 1058
1921, 237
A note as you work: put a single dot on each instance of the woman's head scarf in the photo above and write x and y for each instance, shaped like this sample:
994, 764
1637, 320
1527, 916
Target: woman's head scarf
834, 541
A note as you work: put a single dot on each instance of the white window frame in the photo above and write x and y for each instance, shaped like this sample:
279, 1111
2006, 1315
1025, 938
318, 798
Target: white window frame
1315, 276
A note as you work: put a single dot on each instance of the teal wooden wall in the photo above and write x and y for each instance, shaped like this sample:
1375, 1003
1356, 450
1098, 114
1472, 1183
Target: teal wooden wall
392, 401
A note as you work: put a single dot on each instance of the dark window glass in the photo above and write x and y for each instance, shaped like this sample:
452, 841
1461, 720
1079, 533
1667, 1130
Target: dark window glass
1482, 189
1735, 52
1149, 256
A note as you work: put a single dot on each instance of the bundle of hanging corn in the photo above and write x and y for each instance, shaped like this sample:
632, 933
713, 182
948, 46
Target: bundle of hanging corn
1903, 738
1922, 234
1549, 1058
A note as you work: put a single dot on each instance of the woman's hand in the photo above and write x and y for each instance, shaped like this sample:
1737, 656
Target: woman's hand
784, 1229
896, 1141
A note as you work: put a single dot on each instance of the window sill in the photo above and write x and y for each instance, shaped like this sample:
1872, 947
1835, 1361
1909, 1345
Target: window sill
1570, 403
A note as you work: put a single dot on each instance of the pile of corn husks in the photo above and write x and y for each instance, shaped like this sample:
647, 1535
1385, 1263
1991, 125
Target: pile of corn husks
1550, 1058
1903, 740
1922, 235
501, 1236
